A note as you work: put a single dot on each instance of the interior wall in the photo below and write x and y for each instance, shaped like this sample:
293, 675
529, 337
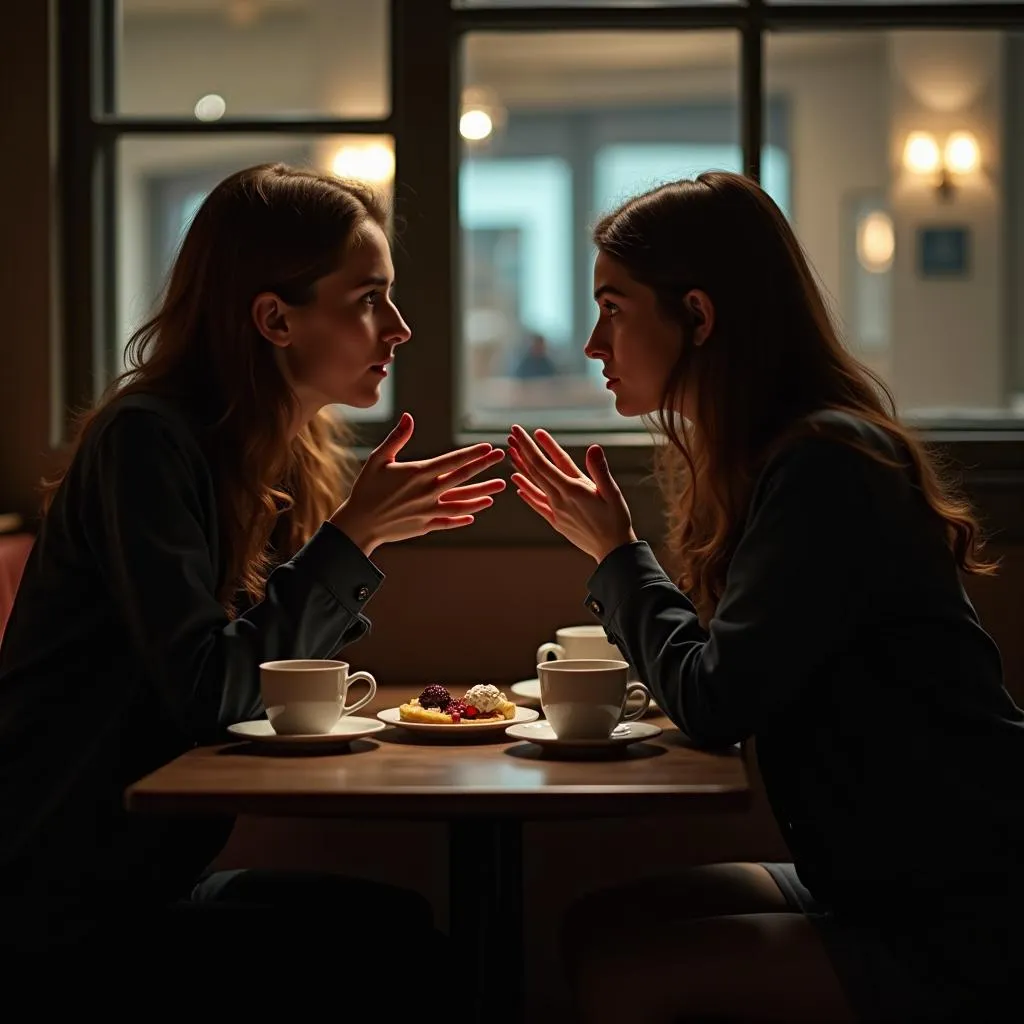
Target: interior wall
462, 616
28, 179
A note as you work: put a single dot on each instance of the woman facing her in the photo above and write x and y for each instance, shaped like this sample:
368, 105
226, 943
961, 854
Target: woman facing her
151, 595
819, 609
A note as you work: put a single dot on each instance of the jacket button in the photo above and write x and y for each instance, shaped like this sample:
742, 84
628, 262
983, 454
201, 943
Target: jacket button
362, 593
595, 606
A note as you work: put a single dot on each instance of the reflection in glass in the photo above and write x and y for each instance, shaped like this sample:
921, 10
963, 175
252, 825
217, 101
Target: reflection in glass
873, 116
581, 121
259, 57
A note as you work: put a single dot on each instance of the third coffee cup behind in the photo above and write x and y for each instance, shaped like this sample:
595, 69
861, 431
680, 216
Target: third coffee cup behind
579, 642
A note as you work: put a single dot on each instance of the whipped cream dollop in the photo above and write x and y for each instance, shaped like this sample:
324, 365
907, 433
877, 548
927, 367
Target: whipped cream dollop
484, 697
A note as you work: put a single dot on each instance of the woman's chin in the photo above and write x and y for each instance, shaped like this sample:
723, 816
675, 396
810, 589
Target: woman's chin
364, 397
629, 407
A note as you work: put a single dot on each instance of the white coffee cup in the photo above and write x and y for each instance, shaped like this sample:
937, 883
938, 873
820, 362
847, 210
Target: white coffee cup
585, 698
580, 642
307, 696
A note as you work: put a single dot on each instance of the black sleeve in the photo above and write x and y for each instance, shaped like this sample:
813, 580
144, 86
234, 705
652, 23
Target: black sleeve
144, 520
794, 588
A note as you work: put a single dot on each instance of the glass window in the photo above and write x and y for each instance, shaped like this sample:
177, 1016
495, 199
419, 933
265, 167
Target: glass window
557, 129
906, 195
591, 3
253, 58
884, 3
162, 181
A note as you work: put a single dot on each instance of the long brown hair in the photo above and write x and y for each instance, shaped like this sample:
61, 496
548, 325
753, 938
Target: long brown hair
773, 358
269, 228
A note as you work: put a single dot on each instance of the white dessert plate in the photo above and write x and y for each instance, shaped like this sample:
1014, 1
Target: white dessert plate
392, 716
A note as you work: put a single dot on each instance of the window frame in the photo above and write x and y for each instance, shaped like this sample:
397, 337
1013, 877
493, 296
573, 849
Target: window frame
425, 42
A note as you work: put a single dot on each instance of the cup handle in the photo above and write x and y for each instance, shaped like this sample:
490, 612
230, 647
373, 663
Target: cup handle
639, 712
357, 677
545, 649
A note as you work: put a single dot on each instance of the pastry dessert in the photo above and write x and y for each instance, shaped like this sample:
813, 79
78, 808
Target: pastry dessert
436, 706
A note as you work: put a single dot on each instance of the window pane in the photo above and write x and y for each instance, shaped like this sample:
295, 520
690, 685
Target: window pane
559, 128
163, 181
889, 3
919, 275
591, 3
254, 57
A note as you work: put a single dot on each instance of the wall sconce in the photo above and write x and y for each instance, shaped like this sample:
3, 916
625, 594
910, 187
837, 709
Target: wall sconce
959, 156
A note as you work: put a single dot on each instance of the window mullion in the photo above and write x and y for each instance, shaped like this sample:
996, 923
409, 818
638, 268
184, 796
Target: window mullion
424, 58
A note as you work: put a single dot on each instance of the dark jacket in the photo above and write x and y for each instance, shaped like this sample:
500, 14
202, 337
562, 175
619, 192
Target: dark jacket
118, 657
844, 642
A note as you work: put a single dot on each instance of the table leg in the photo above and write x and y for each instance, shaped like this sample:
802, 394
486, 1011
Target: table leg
485, 900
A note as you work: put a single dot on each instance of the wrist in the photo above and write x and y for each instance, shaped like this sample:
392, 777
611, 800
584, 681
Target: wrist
359, 533
602, 553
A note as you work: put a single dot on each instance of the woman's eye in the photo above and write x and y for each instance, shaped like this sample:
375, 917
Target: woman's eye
371, 298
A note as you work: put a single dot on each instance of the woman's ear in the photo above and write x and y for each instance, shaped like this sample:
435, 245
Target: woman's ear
270, 315
702, 312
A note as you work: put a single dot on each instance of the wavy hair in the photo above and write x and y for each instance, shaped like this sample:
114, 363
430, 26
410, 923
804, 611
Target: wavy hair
269, 228
773, 358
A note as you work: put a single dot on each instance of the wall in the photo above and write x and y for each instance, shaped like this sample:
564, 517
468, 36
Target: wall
27, 255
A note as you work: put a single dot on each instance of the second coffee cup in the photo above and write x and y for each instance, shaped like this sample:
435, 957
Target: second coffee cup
579, 642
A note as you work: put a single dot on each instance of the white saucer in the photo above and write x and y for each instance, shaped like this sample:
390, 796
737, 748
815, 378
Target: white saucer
348, 728
530, 689
392, 716
622, 735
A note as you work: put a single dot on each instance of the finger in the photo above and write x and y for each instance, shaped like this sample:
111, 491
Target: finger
452, 508
597, 467
524, 483
541, 508
449, 523
460, 457
389, 448
540, 468
495, 486
558, 455
470, 469
524, 472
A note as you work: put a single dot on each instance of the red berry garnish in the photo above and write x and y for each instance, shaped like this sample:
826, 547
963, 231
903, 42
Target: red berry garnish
471, 712
456, 709
435, 696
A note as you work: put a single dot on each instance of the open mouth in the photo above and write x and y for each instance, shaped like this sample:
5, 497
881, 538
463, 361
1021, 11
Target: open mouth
380, 368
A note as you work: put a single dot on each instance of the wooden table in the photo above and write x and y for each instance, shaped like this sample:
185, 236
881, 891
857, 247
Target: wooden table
483, 790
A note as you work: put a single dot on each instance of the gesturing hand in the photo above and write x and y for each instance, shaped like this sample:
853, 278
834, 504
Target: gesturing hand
589, 511
393, 500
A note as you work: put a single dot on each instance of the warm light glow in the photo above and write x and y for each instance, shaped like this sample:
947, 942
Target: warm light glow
876, 242
210, 107
475, 125
921, 153
373, 162
242, 12
962, 155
